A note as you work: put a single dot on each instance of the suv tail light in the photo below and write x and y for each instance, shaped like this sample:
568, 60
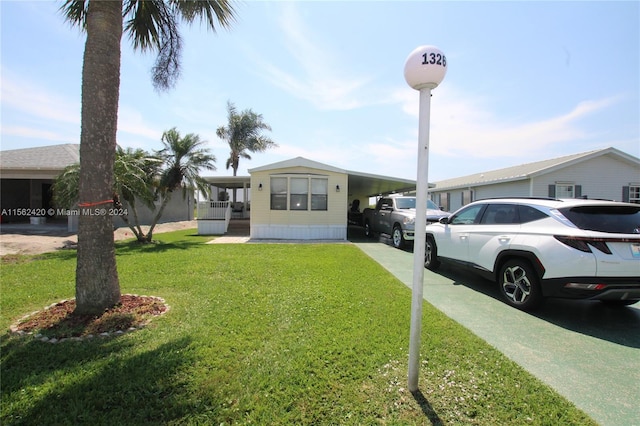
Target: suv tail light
582, 243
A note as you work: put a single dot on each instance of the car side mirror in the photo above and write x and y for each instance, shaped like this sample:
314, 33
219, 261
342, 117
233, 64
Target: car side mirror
444, 220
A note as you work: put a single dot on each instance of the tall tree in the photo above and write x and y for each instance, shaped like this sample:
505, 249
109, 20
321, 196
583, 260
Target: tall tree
183, 158
152, 25
244, 134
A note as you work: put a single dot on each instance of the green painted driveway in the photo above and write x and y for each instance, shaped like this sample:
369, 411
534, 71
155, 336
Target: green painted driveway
586, 351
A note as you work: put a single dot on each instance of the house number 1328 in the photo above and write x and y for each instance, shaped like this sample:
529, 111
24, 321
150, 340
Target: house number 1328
434, 59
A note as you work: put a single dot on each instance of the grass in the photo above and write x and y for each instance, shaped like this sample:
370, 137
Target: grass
257, 334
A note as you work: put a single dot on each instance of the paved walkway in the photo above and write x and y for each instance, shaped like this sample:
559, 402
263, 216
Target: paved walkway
587, 352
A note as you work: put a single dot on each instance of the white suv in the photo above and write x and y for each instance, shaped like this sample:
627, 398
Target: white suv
536, 248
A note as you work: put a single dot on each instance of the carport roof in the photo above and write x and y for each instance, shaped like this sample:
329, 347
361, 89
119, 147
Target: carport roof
359, 183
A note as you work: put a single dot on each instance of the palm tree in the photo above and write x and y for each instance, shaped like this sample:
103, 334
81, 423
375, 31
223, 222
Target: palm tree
133, 180
183, 158
243, 133
152, 25
134, 172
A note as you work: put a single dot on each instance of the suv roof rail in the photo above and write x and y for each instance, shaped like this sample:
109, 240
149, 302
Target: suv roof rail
519, 198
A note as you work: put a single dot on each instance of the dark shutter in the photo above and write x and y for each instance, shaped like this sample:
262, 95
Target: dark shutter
578, 189
552, 191
625, 194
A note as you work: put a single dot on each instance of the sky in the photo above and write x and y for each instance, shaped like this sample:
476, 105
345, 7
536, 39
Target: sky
526, 81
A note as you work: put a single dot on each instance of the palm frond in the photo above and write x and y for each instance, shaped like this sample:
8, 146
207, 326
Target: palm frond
75, 11
213, 12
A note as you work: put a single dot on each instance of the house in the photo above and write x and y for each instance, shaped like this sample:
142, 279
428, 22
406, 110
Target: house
299, 199
302, 199
606, 174
296, 199
26, 177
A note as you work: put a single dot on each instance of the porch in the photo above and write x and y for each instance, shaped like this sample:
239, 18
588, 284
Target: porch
222, 218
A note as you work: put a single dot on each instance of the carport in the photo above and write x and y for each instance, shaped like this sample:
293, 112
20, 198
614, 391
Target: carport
342, 188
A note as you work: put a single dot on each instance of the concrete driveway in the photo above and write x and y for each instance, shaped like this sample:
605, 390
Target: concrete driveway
586, 351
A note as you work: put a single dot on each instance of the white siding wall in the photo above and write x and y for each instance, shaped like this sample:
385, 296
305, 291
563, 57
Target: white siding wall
601, 177
508, 189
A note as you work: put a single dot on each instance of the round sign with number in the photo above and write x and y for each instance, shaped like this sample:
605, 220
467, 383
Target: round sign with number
425, 67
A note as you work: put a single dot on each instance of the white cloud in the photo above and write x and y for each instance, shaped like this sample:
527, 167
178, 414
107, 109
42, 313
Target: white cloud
34, 100
464, 126
320, 80
46, 115
130, 121
42, 135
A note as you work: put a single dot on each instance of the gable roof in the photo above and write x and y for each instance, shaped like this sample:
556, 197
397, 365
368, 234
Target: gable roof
359, 183
530, 170
298, 162
52, 157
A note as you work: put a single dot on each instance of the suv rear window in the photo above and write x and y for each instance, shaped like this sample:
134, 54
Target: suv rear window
612, 219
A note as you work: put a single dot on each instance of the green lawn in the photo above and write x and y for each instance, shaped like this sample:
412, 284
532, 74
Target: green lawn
275, 334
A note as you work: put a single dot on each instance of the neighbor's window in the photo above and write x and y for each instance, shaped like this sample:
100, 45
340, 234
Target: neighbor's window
278, 193
299, 193
634, 194
319, 191
565, 190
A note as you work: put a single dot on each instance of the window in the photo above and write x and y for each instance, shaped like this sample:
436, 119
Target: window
319, 191
564, 190
500, 214
611, 219
634, 194
278, 193
300, 192
468, 216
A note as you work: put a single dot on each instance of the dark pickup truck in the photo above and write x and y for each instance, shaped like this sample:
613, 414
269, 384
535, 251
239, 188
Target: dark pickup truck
396, 217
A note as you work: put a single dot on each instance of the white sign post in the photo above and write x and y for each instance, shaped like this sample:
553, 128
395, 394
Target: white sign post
424, 69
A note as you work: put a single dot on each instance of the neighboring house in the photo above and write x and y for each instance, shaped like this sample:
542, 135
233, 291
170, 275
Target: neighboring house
606, 174
26, 176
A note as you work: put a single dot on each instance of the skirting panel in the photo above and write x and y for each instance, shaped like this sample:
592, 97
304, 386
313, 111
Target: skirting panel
298, 232
212, 227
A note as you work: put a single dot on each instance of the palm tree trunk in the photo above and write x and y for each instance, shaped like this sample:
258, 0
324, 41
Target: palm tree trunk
165, 200
125, 218
97, 286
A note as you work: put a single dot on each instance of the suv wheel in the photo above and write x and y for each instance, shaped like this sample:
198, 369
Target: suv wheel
396, 237
519, 284
431, 254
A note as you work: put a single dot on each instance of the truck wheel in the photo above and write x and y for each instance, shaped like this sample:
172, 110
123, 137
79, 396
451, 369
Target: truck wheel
431, 254
397, 238
367, 230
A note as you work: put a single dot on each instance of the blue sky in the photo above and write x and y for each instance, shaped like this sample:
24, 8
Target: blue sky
526, 81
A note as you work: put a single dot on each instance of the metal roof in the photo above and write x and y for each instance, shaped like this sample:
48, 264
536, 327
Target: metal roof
528, 170
359, 183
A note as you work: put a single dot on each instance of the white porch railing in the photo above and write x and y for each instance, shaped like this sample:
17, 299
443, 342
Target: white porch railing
213, 217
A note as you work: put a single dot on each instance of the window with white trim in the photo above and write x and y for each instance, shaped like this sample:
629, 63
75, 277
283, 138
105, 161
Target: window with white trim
565, 190
279, 193
634, 194
299, 193
319, 193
